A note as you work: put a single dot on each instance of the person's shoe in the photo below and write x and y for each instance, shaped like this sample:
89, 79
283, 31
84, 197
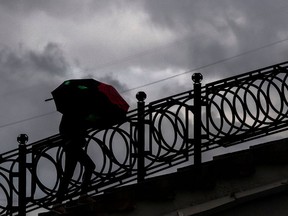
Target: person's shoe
59, 209
85, 199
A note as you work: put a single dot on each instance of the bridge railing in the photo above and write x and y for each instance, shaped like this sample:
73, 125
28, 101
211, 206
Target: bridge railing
247, 106
155, 137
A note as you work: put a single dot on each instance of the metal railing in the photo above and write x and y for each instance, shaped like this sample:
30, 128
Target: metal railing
154, 137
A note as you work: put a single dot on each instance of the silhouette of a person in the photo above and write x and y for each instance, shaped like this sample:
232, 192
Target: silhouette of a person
73, 130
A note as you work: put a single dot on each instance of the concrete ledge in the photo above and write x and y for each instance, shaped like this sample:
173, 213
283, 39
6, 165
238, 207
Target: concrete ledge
217, 205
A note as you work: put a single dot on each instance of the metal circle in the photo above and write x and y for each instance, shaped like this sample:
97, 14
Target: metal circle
197, 77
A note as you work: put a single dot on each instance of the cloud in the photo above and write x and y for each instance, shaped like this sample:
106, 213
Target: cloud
60, 8
51, 60
220, 29
23, 63
26, 79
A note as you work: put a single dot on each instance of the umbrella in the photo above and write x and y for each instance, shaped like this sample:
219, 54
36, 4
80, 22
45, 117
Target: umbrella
95, 101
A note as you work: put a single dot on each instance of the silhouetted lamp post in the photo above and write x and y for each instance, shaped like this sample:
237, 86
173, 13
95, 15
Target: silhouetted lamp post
22, 140
141, 96
197, 78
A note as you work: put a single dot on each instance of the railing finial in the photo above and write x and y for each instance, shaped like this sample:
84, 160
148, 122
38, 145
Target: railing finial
141, 96
22, 139
197, 77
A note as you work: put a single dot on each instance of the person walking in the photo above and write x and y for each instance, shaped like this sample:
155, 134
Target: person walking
73, 130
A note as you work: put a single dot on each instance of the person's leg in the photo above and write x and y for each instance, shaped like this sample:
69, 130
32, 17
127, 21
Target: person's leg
74, 154
70, 165
89, 167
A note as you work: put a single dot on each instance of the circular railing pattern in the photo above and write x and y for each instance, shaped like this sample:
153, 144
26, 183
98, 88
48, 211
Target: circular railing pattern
113, 157
110, 150
5, 196
168, 131
249, 106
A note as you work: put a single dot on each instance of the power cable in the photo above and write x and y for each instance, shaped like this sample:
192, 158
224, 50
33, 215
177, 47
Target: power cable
167, 78
208, 65
27, 119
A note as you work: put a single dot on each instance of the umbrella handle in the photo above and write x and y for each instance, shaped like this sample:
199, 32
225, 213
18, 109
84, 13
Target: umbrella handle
49, 99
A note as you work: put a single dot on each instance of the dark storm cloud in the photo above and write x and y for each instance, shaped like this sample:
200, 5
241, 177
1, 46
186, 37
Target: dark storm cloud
22, 62
26, 79
244, 17
173, 14
60, 8
53, 7
219, 29
50, 60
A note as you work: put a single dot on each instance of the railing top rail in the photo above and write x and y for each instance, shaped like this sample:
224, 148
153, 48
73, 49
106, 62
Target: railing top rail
248, 75
226, 81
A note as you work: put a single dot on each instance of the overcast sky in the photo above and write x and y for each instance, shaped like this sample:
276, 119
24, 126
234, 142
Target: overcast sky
127, 43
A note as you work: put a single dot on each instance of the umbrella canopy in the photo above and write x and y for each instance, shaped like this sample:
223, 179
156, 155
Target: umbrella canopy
90, 99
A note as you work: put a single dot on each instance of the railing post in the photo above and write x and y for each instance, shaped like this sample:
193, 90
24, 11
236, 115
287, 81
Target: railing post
22, 140
141, 96
197, 78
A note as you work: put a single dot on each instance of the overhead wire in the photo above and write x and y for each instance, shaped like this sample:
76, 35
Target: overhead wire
27, 119
208, 65
166, 78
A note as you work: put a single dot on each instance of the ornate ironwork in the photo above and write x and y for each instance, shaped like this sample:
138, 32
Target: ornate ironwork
248, 106
155, 137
